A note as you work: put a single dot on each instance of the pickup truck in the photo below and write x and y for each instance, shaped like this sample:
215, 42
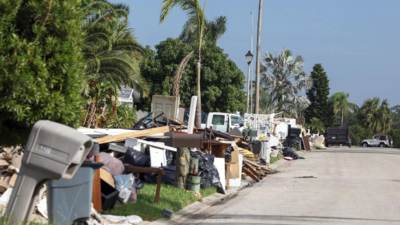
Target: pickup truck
378, 141
223, 122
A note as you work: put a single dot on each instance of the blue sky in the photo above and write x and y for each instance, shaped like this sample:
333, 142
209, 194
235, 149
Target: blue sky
356, 41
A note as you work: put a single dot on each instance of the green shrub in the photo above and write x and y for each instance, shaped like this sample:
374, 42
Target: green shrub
41, 65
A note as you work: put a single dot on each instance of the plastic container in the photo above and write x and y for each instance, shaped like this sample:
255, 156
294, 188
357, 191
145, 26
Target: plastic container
109, 196
69, 201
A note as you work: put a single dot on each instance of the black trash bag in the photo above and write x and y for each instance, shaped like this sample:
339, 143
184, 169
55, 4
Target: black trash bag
206, 161
215, 180
207, 171
205, 180
136, 158
292, 142
288, 152
228, 154
167, 178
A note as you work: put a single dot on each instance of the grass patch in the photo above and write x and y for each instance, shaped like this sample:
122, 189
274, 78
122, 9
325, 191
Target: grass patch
170, 198
5, 221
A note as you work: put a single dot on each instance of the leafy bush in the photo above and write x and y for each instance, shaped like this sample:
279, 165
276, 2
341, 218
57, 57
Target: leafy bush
124, 118
358, 134
41, 65
395, 134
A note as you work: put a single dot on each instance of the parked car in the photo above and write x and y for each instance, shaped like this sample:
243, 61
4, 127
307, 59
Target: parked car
378, 141
338, 135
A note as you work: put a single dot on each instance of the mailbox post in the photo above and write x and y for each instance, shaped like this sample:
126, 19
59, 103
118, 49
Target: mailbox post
53, 151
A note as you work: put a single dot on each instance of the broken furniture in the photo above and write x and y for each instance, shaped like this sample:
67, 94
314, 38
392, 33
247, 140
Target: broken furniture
69, 200
159, 171
183, 142
216, 148
53, 151
96, 188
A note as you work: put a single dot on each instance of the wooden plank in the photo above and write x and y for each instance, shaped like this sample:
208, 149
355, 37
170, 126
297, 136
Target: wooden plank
255, 164
139, 133
235, 161
252, 170
250, 174
306, 143
227, 169
158, 190
96, 195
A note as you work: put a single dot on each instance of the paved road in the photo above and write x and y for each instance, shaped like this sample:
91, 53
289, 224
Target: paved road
352, 186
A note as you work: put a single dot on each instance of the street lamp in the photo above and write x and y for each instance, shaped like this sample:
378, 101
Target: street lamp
249, 58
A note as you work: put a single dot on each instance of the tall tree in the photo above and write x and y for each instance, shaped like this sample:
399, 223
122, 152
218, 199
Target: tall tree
278, 74
316, 125
375, 115
341, 104
196, 14
41, 65
213, 30
221, 80
396, 117
112, 56
318, 96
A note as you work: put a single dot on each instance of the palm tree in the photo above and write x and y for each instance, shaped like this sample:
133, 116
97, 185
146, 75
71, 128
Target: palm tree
112, 56
341, 104
316, 126
291, 107
196, 15
213, 30
375, 117
279, 72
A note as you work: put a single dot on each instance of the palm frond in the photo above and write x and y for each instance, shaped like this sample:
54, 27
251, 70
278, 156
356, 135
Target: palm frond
179, 73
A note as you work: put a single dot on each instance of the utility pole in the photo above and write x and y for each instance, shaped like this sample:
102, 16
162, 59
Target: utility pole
251, 67
258, 58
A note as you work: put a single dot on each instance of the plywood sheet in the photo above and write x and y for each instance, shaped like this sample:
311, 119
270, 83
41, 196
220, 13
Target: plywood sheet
107, 177
139, 133
235, 167
13, 179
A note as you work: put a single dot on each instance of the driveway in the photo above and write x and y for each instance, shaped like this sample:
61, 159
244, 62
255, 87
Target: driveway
352, 186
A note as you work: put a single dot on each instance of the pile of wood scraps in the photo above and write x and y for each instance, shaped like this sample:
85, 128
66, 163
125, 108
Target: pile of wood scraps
255, 170
10, 163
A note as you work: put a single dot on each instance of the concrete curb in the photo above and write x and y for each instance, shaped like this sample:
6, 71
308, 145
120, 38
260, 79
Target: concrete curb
193, 208
209, 201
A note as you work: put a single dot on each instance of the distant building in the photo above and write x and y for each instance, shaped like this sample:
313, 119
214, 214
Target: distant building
132, 97
128, 95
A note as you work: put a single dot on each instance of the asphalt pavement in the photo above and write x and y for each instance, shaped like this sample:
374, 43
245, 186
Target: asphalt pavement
332, 186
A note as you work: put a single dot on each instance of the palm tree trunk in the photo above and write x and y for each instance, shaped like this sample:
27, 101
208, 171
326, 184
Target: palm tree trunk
198, 108
258, 58
341, 124
91, 112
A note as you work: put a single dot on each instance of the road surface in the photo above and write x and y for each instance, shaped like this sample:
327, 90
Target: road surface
352, 186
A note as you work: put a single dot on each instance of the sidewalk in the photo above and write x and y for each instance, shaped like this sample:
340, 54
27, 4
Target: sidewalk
196, 209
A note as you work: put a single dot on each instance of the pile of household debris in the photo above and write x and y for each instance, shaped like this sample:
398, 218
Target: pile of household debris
10, 164
159, 149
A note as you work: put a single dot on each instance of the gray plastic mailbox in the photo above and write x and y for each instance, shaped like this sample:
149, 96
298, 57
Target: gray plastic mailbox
53, 151
69, 201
